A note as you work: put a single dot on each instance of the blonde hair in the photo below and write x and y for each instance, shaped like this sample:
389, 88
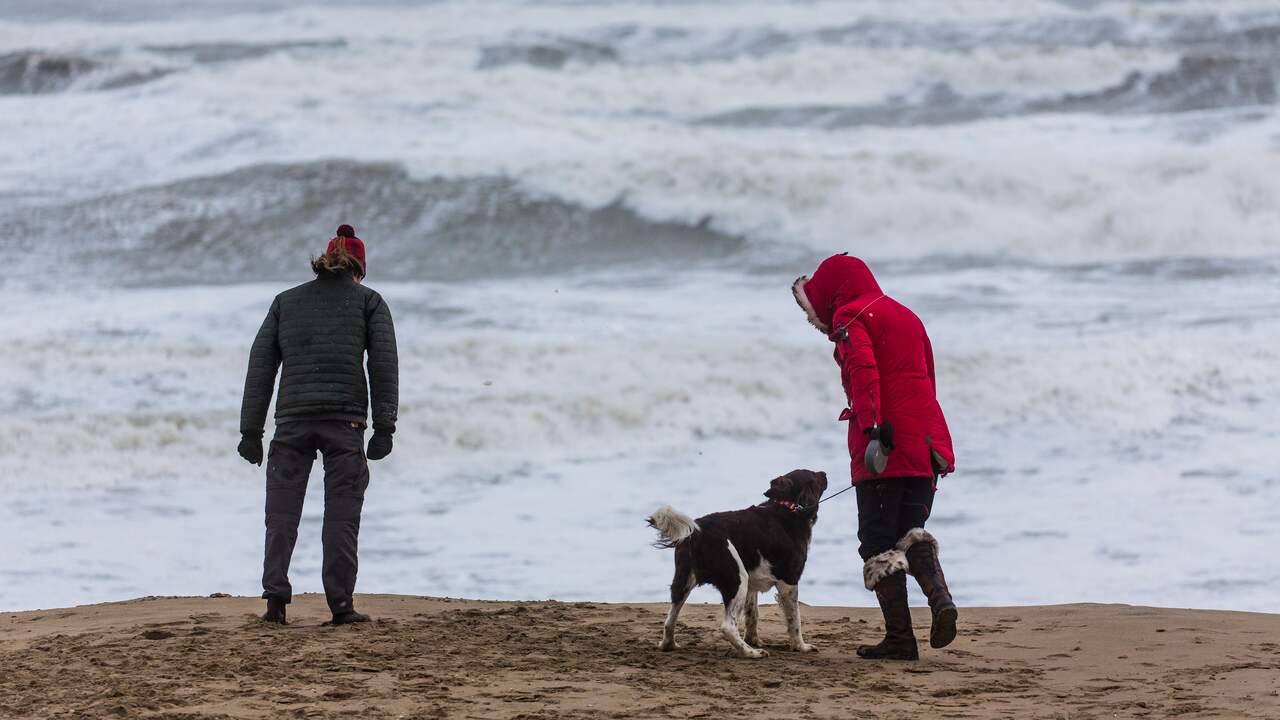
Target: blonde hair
337, 260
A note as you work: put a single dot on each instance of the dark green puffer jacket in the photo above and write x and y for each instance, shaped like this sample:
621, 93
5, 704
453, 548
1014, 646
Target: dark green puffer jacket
319, 332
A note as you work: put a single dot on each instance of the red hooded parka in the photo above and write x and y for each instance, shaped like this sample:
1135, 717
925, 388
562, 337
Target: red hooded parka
886, 365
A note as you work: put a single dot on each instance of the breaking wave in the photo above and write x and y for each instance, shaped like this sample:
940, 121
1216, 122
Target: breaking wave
39, 72
265, 222
33, 72
937, 105
1195, 83
218, 52
633, 43
550, 53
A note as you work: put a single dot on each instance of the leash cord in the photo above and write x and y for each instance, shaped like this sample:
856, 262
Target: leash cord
831, 496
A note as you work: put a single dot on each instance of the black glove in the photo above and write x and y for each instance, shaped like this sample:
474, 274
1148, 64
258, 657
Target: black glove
882, 432
379, 445
250, 447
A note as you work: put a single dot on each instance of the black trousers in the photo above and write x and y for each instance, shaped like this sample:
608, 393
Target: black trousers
888, 508
346, 477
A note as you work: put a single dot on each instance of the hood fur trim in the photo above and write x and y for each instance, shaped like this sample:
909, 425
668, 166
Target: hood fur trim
881, 566
918, 535
797, 290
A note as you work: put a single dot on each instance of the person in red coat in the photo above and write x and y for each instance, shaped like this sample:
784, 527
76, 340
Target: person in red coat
898, 441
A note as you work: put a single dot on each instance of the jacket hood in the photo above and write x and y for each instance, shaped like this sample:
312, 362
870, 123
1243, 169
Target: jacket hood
838, 281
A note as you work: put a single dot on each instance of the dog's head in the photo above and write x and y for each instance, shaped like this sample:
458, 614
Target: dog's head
802, 487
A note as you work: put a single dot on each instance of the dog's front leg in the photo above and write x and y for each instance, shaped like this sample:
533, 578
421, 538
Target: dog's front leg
789, 601
753, 619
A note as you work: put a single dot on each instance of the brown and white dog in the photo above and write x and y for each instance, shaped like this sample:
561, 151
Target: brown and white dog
744, 553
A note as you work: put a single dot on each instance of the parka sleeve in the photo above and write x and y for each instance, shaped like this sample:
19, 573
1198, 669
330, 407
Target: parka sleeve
260, 380
384, 366
860, 375
928, 362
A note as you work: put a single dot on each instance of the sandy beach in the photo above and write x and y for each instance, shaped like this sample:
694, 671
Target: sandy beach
437, 658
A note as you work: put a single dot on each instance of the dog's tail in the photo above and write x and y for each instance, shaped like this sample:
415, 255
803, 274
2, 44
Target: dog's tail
673, 527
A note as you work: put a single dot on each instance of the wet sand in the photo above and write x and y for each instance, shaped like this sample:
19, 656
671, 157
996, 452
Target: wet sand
440, 658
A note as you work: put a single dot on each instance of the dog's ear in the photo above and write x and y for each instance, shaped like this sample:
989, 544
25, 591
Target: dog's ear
781, 487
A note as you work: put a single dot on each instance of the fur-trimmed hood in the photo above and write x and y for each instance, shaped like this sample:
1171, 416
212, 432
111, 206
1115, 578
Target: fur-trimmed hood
802, 299
838, 281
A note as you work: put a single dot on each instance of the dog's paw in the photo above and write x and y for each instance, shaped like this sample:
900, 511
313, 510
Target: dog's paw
804, 647
755, 654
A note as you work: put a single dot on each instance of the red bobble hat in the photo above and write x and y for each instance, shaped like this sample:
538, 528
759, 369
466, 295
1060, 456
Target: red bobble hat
352, 244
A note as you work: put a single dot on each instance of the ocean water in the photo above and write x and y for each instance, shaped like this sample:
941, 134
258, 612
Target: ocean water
586, 217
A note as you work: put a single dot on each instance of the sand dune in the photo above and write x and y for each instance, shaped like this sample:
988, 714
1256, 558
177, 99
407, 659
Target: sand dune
437, 658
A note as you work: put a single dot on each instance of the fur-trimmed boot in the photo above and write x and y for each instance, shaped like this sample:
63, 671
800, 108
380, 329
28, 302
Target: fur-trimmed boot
886, 574
921, 550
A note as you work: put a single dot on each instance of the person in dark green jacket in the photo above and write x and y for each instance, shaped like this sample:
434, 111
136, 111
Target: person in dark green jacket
317, 335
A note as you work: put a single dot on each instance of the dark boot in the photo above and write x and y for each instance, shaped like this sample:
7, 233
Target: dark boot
899, 641
349, 617
275, 611
922, 557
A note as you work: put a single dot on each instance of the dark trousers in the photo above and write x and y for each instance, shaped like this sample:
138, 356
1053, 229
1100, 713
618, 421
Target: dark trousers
888, 508
346, 476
